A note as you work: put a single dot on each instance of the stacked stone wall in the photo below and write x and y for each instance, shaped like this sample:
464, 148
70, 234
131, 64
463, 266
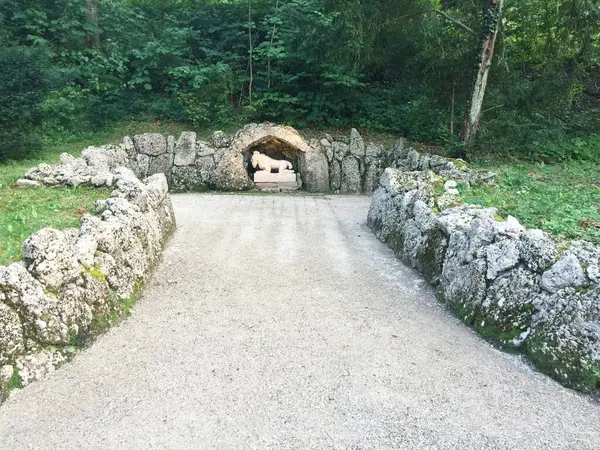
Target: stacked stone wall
72, 283
519, 288
343, 165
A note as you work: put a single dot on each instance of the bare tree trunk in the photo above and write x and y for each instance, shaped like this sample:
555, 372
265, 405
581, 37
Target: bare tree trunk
250, 63
492, 21
92, 7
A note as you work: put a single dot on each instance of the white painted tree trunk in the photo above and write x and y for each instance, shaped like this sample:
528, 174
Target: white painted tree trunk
492, 21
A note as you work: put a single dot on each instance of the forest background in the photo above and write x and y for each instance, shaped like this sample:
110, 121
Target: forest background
406, 67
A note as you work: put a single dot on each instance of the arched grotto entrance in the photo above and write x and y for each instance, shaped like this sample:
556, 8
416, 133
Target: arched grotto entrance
273, 156
277, 174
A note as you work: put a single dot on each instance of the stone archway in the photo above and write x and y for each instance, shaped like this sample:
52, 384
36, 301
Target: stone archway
232, 171
253, 134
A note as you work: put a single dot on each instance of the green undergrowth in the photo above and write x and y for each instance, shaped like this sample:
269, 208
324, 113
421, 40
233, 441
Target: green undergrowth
562, 199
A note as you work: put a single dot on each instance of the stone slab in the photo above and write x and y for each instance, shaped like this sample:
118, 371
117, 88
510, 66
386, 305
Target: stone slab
22, 183
282, 186
265, 177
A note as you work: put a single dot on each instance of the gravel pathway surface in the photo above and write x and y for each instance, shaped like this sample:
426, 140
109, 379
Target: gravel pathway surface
280, 322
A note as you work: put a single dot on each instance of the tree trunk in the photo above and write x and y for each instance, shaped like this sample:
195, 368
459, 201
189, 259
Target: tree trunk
251, 51
492, 20
92, 7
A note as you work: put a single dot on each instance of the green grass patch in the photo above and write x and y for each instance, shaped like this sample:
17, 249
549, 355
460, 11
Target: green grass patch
561, 199
25, 211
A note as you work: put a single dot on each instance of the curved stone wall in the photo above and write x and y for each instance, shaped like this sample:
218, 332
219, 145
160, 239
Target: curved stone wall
344, 165
71, 283
518, 288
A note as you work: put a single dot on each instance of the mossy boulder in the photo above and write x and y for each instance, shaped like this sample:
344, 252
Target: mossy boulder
565, 339
506, 313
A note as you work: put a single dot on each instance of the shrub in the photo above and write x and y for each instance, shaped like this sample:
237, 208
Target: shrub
25, 79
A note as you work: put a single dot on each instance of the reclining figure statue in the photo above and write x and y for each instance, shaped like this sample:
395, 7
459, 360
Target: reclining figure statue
269, 164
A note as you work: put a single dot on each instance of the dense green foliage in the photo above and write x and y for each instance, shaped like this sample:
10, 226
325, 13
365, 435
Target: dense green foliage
395, 65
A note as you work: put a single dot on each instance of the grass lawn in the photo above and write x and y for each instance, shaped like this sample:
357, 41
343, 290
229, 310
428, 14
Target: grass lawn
563, 199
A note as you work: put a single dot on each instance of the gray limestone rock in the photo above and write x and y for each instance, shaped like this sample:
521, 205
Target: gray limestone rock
84, 248
102, 180
187, 178
340, 150
412, 160
105, 158
6, 373
36, 366
141, 165
450, 184
335, 175
11, 334
565, 340
129, 147
510, 228
22, 183
204, 149
220, 139
152, 144
424, 162
382, 216
462, 216
501, 256
49, 257
351, 179
399, 150
567, 272
314, 170
397, 182
425, 218
357, 144
588, 256
374, 150
463, 285
206, 166
185, 149
171, 143
506, 313
230, 173
120, 280
97, 293
161, 164
44, 317
538, 250
371, 177
327, 149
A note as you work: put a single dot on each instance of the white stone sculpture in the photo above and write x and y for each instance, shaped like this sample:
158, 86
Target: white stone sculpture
266, 164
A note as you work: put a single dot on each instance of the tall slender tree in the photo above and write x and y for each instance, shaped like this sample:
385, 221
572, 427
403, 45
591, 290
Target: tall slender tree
491, 25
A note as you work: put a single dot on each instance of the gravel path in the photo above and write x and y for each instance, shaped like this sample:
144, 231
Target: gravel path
280, 322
